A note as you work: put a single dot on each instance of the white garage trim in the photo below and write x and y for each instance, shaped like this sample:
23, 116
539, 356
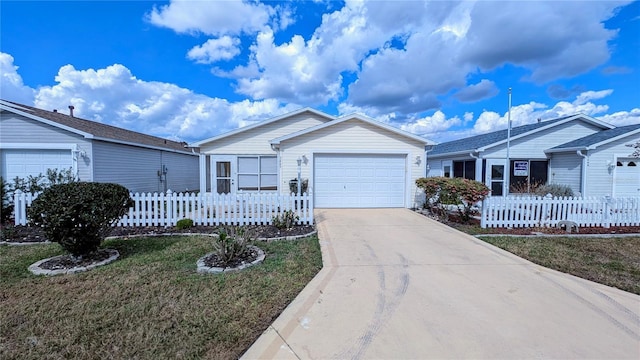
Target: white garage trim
405, 155
73, 149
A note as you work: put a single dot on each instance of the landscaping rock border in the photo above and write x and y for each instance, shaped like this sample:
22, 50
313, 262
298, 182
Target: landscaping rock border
204, 269
37, 270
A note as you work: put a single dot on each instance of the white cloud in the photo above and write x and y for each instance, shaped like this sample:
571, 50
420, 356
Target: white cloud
11, 84
114, 96
587, 96
482, 90
224, 48
431, 124
622, 118
212, 17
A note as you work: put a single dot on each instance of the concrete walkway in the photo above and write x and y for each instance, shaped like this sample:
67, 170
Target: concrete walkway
397, 285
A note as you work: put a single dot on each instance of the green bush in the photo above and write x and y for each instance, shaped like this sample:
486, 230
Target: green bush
232, 244
6, 207
286, 220
79, 215
554, 189
184, 224
442, 191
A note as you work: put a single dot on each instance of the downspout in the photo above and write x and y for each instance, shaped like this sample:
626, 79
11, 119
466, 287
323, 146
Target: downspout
583, 173
426, 159
480, 166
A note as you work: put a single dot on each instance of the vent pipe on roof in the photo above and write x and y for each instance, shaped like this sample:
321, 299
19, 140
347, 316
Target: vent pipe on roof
55, 110
71, 107
539, 120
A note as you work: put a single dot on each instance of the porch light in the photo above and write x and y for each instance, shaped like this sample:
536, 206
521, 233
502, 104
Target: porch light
418, 159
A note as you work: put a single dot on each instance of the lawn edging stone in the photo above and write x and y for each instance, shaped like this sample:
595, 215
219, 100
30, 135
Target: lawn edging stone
37, 270
204, 269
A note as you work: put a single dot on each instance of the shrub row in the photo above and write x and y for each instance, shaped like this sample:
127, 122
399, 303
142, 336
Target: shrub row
443, 191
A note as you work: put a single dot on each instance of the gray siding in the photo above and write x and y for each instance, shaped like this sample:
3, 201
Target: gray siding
533, 146
599, 178
566, 169
16, 129
137, 168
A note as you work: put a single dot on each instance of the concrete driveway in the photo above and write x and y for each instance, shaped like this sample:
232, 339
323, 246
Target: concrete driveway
396, 285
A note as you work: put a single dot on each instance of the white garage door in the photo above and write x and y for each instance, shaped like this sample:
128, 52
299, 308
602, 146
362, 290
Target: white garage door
359, 180
627, 182
22, 163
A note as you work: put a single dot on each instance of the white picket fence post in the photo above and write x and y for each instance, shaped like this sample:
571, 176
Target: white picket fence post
153, 209
547, 211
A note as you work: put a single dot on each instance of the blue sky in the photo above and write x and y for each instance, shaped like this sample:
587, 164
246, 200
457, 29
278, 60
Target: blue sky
193, 69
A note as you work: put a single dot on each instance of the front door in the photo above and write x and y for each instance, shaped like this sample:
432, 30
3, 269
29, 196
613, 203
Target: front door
223, 174
495, 176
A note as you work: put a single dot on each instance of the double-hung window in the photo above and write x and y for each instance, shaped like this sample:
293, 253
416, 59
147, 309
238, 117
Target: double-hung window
257, 173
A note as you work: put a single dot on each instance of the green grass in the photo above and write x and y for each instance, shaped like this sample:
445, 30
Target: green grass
610, 261
150, 304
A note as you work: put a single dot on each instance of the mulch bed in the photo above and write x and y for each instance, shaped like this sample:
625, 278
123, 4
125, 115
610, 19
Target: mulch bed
70, 262
32, 234
214, 261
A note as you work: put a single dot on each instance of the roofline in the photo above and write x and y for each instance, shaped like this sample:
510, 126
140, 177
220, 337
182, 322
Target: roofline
348, 117
560, 122
45, 121
85, 134
262, 123
461, 152
594, 146
588, 119
122, 142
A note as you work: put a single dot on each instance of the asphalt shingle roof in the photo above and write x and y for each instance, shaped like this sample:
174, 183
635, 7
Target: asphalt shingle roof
100, 130
478, 141
597, 137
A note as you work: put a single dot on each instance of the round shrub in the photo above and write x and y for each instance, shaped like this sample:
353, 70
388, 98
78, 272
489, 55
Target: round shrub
557, 190
184, 224
79, 215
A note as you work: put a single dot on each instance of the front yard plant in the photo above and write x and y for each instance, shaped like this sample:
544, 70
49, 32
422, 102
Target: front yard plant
150, 304
286, 220
441, 192
79, 215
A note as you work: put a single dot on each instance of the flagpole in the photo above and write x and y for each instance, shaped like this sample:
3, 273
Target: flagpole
507, 178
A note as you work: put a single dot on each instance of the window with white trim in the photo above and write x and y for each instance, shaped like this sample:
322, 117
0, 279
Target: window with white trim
257, 173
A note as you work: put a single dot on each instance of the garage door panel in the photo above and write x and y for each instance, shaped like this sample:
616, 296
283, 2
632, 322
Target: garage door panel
23, 163
627, 181
359, 180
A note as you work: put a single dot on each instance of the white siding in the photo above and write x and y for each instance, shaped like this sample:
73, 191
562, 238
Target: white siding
599, 177
350, 137
15, 129
256, 141
137, 168
533, 146
566, 169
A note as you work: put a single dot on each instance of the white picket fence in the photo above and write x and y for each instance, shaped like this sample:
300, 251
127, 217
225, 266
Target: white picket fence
160, 209
547, 211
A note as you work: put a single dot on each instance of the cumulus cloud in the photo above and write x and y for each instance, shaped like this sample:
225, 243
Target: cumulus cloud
114, 96
224, 48
431, 124
212, 17
482, 90
557, 91
11, 84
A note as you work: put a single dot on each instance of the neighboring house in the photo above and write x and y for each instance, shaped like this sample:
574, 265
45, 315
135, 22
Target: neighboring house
34, 140
349, 162
590, 156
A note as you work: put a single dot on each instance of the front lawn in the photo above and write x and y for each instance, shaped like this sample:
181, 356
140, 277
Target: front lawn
610, 261
150, 304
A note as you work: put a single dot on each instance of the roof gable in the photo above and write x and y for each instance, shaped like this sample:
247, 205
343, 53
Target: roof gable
91, 129
352, 117
265, 122
600, 138
495, 138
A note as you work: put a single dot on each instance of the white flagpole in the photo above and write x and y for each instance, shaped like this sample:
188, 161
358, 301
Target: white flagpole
507, 178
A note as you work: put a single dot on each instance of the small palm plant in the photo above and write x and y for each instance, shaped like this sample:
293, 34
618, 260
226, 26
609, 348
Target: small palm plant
232, 245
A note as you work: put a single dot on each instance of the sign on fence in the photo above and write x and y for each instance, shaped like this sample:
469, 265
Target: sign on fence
160, 209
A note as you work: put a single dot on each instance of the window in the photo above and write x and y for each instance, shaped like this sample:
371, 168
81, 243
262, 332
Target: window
631, 163
447, 171
465, 169
530, 173
257, 173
